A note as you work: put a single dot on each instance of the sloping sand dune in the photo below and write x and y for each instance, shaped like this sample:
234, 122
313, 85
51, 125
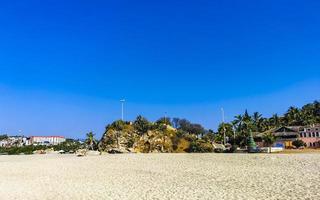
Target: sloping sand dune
161, 176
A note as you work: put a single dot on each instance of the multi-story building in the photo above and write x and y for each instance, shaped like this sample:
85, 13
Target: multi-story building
285, 136
311, 136
46, 140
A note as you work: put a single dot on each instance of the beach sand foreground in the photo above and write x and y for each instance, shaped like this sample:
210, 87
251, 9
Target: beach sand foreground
161, 176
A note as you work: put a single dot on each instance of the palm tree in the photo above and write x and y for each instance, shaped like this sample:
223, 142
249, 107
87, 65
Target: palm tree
275, 120
293, 117
247, 123
257, 120
264, 125
309, 114
269, 139
91, 141
237, 122
316, 108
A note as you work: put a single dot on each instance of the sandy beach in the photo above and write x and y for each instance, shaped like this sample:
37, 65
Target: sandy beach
161, 176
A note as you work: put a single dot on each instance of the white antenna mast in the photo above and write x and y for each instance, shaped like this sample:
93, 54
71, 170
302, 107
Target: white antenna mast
224, 128
122, 108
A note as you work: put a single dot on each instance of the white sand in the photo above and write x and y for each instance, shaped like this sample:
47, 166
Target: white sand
161, 176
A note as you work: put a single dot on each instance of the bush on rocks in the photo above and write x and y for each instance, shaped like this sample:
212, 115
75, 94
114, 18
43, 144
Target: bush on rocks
200, 146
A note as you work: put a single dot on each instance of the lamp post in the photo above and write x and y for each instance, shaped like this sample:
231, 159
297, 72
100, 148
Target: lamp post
165, 118
224, 129
234, 135
122, 108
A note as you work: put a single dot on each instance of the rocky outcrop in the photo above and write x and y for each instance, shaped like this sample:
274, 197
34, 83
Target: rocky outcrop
81, 152
114, 141
153, 142
162, 140
128, 140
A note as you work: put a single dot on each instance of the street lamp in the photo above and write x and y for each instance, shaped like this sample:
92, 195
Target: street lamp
165, 118
224, 128
122, 107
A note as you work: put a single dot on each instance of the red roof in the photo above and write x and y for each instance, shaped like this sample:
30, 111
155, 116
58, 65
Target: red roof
47, 136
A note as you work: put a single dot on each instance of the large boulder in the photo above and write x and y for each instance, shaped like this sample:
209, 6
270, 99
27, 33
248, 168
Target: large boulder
114, 141
153, 142
81, 152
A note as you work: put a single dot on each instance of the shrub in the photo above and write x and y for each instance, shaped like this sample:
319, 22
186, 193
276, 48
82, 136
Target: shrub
183, 146
141, 124
298, 143
200, 146
68, 146
130, 142
24, 149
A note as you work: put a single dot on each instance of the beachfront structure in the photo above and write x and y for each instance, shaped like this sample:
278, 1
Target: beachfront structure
284, 137
47, 140
311, 136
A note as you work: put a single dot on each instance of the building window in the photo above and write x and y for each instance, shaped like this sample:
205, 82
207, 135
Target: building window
317, 134
313, 135
310, 144
304, 134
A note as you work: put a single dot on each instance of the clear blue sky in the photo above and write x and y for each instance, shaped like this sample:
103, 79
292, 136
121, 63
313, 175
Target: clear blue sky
65, 64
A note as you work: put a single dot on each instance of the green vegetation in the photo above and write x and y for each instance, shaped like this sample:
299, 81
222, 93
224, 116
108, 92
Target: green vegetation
200, 146
142, 125
238, 130
180, 135
159, 136
268, 139
68, 146
21, 150
298, 143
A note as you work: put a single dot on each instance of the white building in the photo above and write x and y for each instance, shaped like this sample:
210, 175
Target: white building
47, 140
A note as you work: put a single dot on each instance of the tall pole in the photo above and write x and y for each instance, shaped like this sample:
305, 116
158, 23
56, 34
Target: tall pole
224, 129
234, 135
122, 108
165, 118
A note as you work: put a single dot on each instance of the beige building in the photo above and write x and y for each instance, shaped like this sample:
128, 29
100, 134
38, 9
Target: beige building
311, 136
